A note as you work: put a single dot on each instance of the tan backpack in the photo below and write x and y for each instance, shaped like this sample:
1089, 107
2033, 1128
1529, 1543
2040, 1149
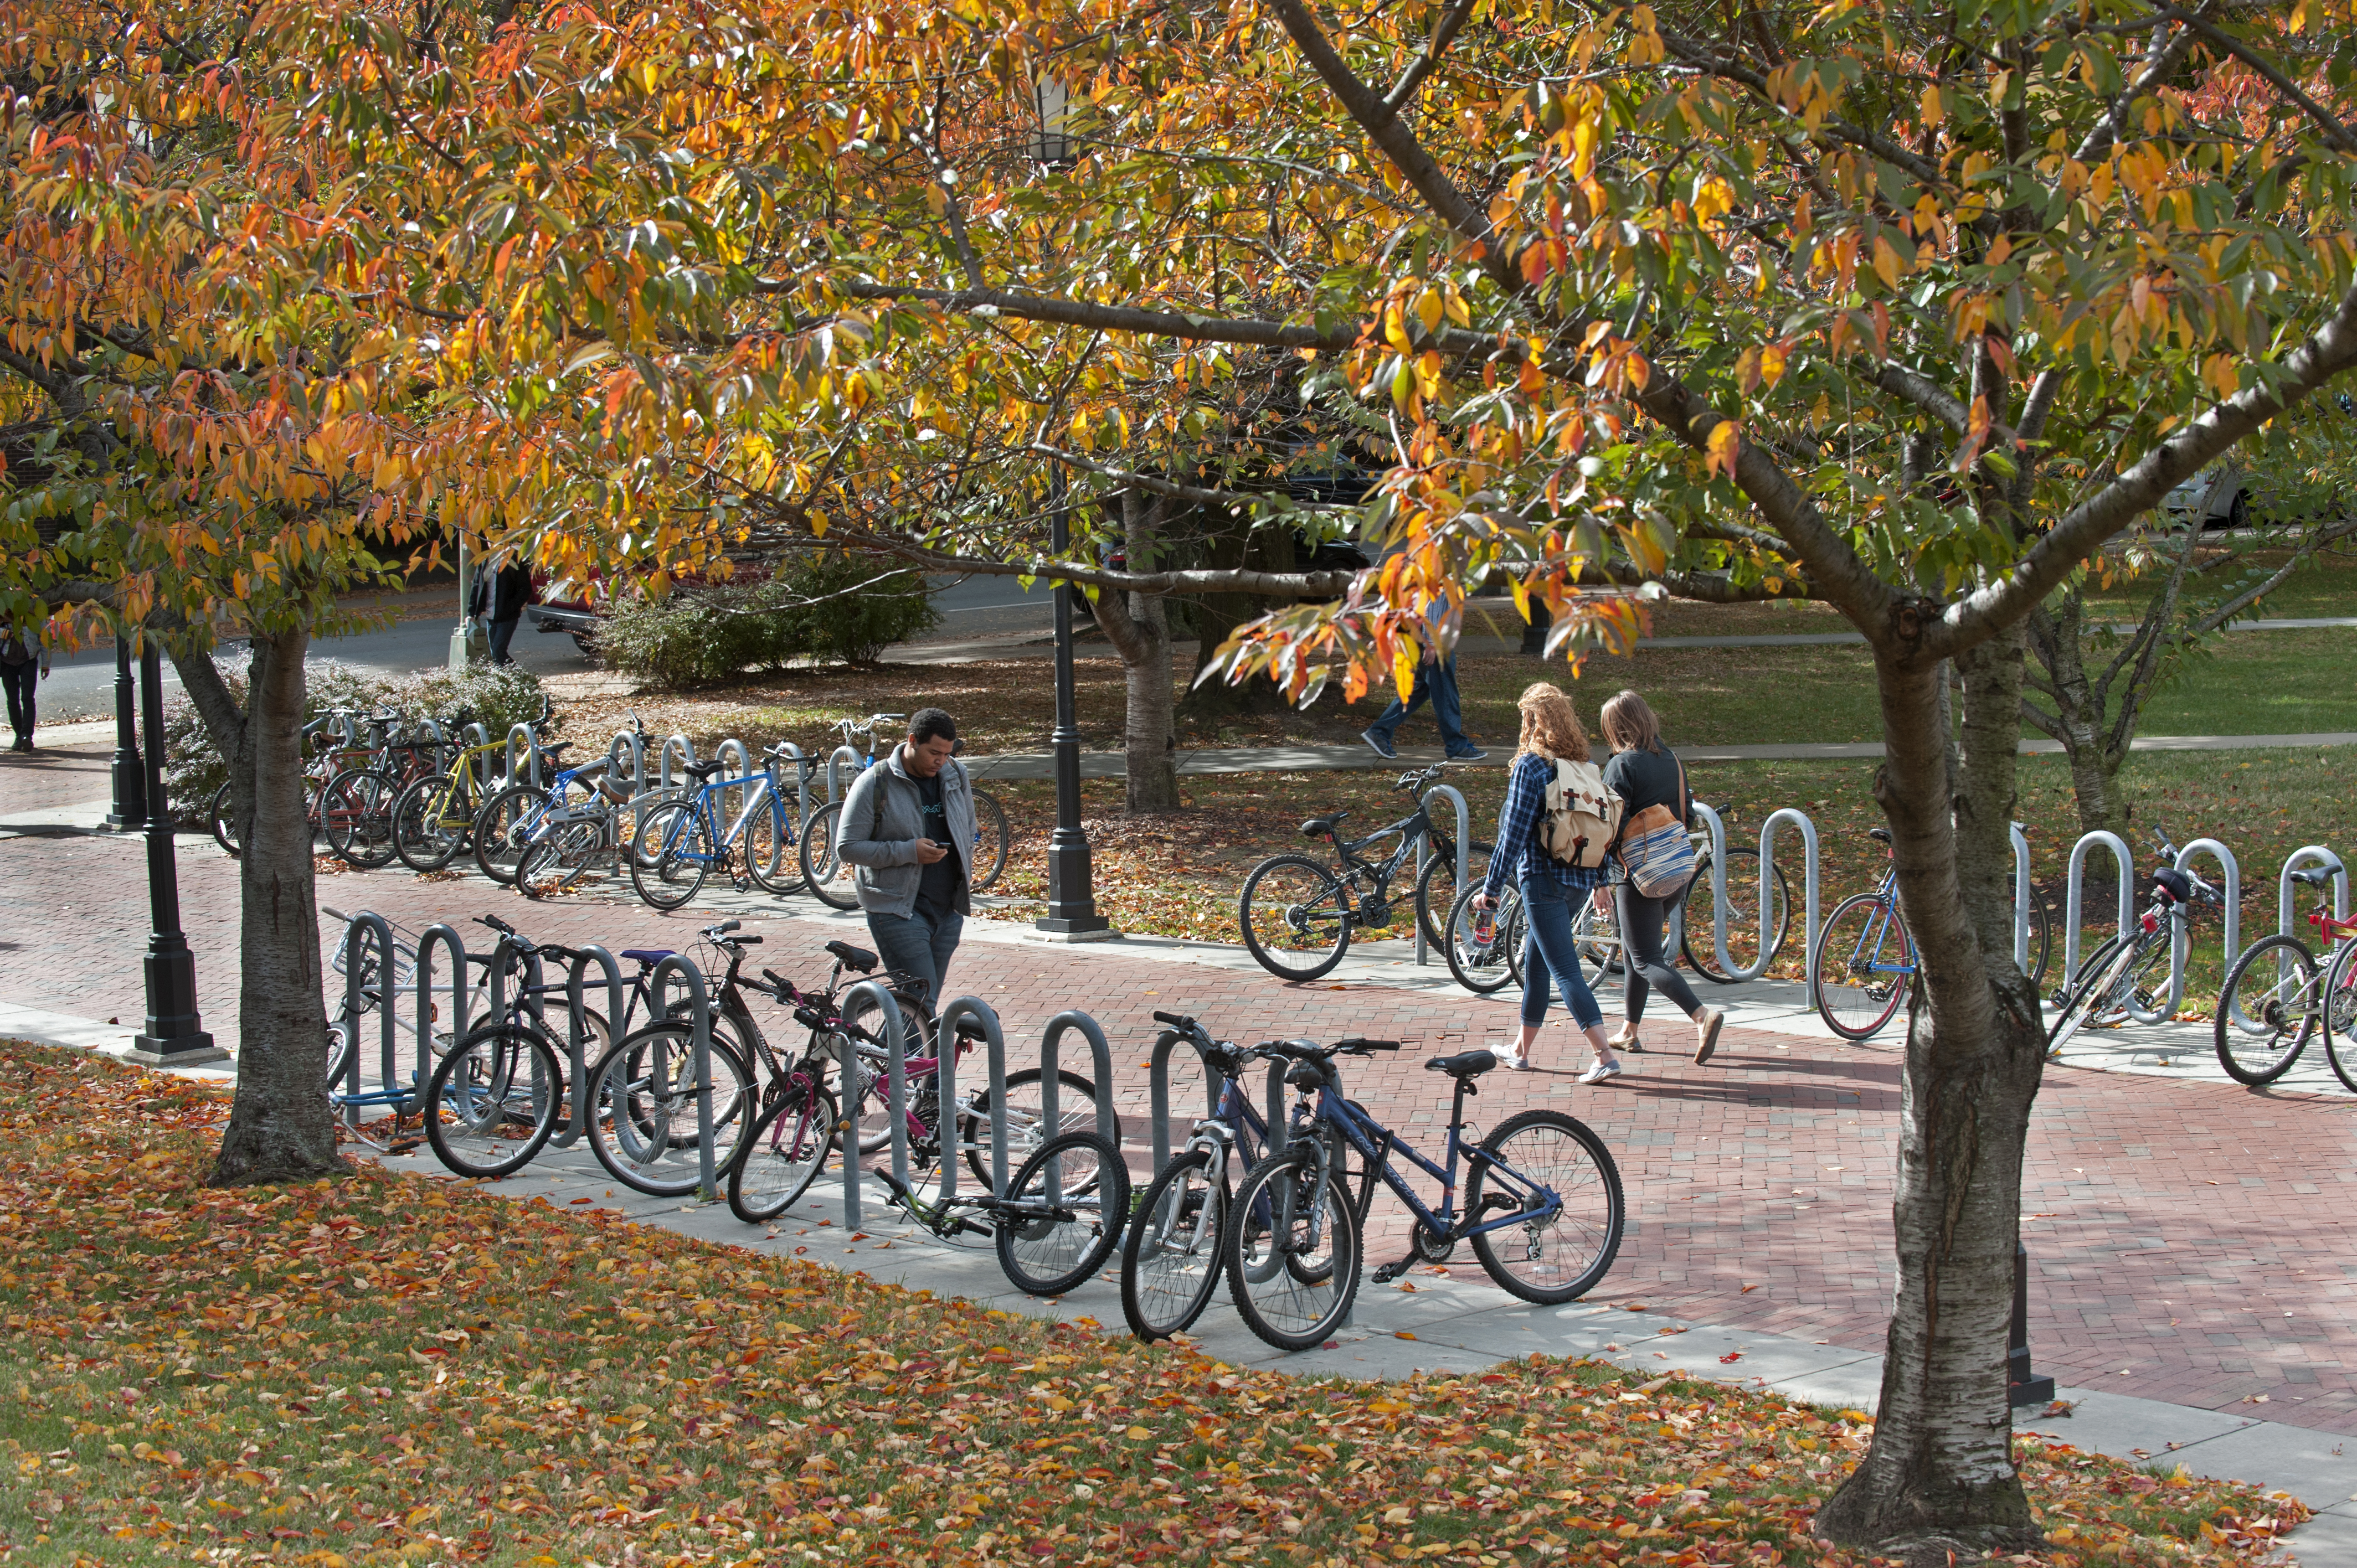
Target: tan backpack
1583, 815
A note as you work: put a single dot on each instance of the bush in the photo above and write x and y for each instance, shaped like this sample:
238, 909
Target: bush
830, 606
195, 771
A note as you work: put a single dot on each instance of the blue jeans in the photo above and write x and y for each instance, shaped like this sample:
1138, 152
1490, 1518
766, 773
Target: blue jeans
1438, 682
502, 633
919, 945
1549, 957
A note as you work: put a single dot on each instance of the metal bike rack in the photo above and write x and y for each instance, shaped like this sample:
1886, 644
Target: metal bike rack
699, 997
627, 744
2310, 855
791, 753
2126, 863
1809, 931
2181, 941
896, 1093
686, 749
576, 1034
1158, 1068
2020, 900
531, 754
842, 754
740, 778
1464, 853
470, 738
380, 931
945, 1055
1100, 1055
448, 939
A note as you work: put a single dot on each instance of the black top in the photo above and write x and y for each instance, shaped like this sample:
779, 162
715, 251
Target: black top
1643, 779
941, 888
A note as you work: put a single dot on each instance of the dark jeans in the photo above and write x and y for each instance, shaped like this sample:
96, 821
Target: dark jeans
1549, 958
919, 945
1644, 922
20, 680
502, 633
1438, 682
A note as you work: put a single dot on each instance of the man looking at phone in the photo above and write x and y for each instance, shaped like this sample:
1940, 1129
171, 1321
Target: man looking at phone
908, 828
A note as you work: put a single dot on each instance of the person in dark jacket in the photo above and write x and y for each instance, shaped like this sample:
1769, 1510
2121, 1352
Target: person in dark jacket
24, 665
907, 827
1644, 772
498, 599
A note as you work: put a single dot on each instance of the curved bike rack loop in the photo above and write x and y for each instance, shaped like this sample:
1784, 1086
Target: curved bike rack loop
2181, 941
896, 1091
450, 943
577, 1033
2306, 855
1809, 933
739, 777
470, 739
686, 749
699, 996
2124, 863
2020, 900
380, 931
631, 744
1159, 1079
841, 755
1050, 1114
945, 1052
531, 754
788, 751
1464, 851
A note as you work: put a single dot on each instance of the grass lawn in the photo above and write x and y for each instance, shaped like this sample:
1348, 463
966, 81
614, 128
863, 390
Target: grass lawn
380, 1371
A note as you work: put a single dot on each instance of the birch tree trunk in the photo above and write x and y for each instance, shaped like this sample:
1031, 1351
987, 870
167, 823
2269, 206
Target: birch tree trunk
1138, 626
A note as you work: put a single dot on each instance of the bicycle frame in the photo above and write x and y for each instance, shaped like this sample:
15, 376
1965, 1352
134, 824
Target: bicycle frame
1865, 959
1360, 1131
763, 793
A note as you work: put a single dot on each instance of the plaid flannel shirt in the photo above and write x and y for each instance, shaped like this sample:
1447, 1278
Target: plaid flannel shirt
1520, 854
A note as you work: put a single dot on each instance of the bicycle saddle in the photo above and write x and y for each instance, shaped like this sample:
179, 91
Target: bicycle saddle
1881, 835
707, 769
859, 960
553, 748
646, 955
1319, 827
1464, 1063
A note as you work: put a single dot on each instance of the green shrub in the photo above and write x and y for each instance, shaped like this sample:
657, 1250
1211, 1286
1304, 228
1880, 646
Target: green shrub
831, 607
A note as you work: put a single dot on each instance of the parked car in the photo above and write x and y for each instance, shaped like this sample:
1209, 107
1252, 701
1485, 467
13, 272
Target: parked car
2217, 496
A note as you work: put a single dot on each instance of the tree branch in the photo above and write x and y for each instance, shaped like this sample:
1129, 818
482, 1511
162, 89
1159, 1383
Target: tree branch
1233, 500
1443, 33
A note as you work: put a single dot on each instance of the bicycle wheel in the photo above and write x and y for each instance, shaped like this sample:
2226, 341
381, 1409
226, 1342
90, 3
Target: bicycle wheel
2340, 1014
1742, 914
1027, 1118
2096, 975
499, 830
642, 1125
224, 821
1596, 937
1476, 948
429, 823
1170, 1257
2041, 937
1292, 1251
828, 877
1063, 1215
1548, 1258
769, 849
558, 860
672, 855
356, 813
1296, 918
1865, 961
1436, 891
2268, 1011
2141, 987
784, 1152
990, 840
493, 1101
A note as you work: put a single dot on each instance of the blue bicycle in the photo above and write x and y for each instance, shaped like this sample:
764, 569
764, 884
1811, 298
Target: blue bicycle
830, 877
1541, 1207
682, 841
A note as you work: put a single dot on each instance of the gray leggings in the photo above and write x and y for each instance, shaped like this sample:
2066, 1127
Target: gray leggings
1643, 922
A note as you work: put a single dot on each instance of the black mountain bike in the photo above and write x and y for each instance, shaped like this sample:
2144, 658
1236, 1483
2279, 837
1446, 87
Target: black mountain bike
1298, 916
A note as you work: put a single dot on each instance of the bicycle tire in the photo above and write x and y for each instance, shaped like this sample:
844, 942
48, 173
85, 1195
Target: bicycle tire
223, 814
1582, 1164
642, 1116
1476, 949
1836, 969
1322, 888
423, 835
2340, 1014
1477, 860
493, 1101
991, 840
356, 812
783, 1153
1298, 1305
556, 862
1596, 937
2041, 937
1076, 1103
772, 858
672, 855
1048, 1253
830, 881
341, 1049
493, 835
1171, 1253
1696, 908
2286, 1001
2098, 973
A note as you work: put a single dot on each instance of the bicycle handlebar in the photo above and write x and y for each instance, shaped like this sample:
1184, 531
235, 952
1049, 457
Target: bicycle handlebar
1175, 1020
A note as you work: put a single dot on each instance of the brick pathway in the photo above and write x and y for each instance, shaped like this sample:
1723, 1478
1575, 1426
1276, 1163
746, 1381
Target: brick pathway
2192, 1243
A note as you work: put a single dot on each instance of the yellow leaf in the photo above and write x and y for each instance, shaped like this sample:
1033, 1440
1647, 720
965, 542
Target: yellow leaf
1885, 263
1395, 328
1720, 450
1403, 663
1932, 111
1430, 309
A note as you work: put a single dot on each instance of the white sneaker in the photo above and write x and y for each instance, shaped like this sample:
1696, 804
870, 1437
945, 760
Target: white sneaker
1514, 1061
1599, 1072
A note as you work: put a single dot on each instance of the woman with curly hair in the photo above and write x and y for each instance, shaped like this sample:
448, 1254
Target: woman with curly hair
1551, 888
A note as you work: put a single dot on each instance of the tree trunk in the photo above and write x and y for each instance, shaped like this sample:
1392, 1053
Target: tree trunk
1138, 626
279, 1126
1232, 548
1939, 1477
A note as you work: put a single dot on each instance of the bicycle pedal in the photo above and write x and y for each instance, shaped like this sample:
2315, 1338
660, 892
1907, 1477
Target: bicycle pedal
1390, 1272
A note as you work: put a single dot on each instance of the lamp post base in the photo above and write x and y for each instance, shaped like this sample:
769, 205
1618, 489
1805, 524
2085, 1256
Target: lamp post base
188, 1051
1096, 928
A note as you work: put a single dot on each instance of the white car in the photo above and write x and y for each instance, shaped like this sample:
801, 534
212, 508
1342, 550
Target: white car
2216, 496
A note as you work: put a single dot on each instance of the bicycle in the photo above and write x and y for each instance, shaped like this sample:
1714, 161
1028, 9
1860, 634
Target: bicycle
433, 818
331, 804
492, 834
679, 843
1485, 946
1058, 1222
2277, 997
1698, 912
827, 876
1298, 916
2117, 983
1293, 1259
1172, 1255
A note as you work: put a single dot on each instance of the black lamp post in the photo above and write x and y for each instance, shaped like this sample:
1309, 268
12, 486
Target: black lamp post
129, 812
174, 1035
2022, 1385
1071, 903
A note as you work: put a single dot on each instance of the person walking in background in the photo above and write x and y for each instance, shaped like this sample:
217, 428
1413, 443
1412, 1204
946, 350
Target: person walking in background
907, 826
1436, 678
1656, 808
498, 599
24, 665
1551, 886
